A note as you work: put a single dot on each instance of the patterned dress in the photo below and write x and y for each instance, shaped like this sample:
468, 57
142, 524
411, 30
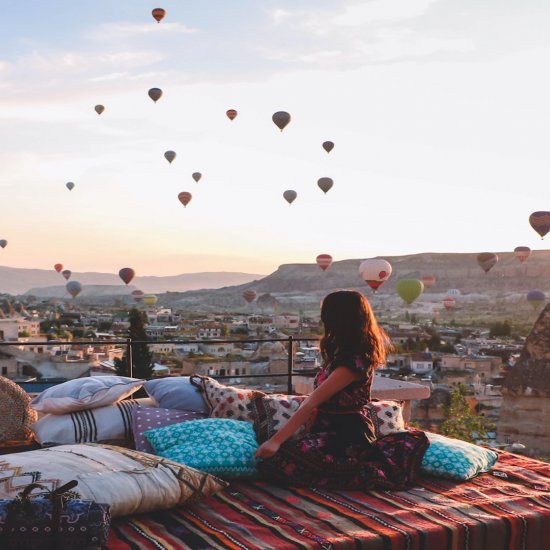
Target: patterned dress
340, 449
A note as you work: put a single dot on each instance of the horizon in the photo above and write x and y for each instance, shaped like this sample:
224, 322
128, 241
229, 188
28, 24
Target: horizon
437, 111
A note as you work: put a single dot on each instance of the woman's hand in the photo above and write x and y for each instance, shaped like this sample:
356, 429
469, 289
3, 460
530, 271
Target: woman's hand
267, 449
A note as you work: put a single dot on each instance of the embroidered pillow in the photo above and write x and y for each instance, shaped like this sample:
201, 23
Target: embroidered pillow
219, 446
225, 401
144, 418
85, 393
111, 424
456, 459
129, 481
387, 416
176, 392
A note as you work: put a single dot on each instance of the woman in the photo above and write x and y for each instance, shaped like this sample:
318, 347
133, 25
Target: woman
339, 449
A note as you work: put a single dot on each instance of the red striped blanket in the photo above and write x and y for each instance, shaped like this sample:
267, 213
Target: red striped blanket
486, 513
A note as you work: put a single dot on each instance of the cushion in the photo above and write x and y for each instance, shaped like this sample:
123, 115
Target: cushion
220, 446
85, 393
147, 418
456, 459
110, 424
225, 401
129, 481
16, 417
271, 412
386, 416
176, 392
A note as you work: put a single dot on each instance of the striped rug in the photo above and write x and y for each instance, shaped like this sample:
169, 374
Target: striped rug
506, 509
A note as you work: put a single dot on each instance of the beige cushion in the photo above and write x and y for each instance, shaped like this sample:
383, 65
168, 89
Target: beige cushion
129, 481
90, 392
16, 416
111, 424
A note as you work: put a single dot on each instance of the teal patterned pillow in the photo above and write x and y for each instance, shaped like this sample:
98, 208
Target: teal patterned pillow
456, 459
220, 446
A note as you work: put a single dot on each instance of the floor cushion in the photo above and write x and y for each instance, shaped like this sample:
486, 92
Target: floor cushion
16, 416
221, 446
129, 481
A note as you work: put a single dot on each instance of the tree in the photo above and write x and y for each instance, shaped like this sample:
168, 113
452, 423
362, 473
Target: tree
461, 422
501, 329
141, 356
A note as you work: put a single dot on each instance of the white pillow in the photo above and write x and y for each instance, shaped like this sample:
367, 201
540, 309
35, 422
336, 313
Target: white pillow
81, 394
111, 424
129, 481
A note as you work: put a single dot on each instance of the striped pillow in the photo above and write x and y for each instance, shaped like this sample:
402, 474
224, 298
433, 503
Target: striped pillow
111, 424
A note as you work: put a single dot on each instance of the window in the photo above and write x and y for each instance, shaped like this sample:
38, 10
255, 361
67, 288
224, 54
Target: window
4, 371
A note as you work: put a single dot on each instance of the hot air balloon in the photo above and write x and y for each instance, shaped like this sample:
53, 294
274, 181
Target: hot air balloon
536, 298
428, 281
69, 185
281, 119
185, 198
155, 94
328, 146
325, 184
324, 261
158, 14
67, 274
454, 292
3, 243
409, 289
170, 156
540, 222
74, 288
58, 267
290, 195
99, 109
196, 176
150, 299
249, 295
126, 274
449, 302
137, 295
487, 260
375, 272
522, 253
231, 114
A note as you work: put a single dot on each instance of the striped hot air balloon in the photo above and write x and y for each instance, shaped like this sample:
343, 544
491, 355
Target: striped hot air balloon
428, 281
185, 198
324, 261
249, 295
137, 295
449, 302
522, 253
540, 222
158, 14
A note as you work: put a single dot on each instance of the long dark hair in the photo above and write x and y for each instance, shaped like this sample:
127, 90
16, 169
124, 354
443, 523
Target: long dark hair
350, 326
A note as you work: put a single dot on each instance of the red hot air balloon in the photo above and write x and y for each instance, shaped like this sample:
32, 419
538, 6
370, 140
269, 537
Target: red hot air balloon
231, 114
540, 222
324, 261
158, 14
126, 274
67, 274
249, 295
522, 253
185, 198
449, 302
375, 272
58, 267
428, 281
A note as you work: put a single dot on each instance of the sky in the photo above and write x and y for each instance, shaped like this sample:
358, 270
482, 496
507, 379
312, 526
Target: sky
438, 110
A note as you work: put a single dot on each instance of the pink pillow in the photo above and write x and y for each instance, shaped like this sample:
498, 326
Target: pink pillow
145, 418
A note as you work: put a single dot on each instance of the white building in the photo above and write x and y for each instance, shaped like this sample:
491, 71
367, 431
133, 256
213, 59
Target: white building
422, 363
11, 329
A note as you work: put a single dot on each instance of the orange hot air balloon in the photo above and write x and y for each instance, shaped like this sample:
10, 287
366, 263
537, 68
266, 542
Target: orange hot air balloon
231, 114
428, 281
58, 267
67, 274
324, 261
522, 253
185, 197
449, 302
158, 14
126, 274
249, 295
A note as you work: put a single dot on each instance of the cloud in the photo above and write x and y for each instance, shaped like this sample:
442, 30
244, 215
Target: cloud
362, 13
124, 30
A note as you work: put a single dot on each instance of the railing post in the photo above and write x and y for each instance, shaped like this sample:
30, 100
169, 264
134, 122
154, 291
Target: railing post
290, 364
129, 361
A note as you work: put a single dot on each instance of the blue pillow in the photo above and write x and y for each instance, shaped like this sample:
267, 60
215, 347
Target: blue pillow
456, 459
176, 392
220, 446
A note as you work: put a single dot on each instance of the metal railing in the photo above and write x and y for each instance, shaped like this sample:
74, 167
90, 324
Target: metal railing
128, 343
